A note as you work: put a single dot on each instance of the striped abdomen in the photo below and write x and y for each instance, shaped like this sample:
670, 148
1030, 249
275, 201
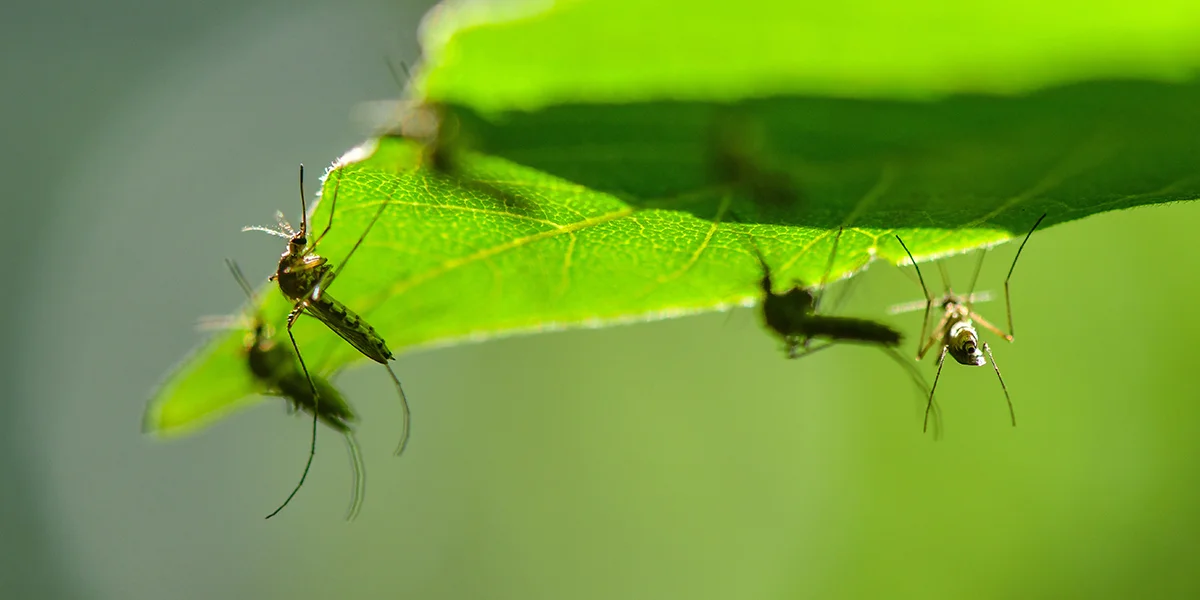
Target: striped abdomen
350, 327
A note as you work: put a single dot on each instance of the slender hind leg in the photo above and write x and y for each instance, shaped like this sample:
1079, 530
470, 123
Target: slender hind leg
921, 348
312, 450
929, 405
1007, 299
1011, 413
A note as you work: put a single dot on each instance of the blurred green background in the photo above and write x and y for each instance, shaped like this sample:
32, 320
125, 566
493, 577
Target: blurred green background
683, 458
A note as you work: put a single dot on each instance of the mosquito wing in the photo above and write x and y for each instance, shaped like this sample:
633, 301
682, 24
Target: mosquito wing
347, 324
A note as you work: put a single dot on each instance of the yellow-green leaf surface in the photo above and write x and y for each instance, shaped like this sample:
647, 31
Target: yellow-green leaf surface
612, 160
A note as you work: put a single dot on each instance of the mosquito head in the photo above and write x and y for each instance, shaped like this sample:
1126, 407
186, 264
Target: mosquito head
964, 344
297, 244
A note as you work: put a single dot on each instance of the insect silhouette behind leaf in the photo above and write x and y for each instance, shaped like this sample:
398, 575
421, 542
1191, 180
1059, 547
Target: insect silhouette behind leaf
794, 316
275, 368
304, 278
956, 329
738, 157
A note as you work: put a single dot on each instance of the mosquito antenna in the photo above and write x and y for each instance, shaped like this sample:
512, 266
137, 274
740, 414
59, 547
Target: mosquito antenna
303, 205
1011, 413
274, 232
396, 76
762, 262
360, 476
928, 305
241, 279
1007, 302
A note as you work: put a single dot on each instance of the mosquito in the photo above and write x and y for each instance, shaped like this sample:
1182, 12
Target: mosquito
956, 329
794, 316
736, 158
304, 277
275, 367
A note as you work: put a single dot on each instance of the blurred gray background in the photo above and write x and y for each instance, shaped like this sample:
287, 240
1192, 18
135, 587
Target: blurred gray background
677, 459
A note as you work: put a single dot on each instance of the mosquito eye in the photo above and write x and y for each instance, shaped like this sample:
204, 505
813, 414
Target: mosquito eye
300, 240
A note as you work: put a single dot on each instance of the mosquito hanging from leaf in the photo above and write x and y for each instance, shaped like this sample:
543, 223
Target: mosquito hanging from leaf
274, 367
305, 277
956, 329
794, 316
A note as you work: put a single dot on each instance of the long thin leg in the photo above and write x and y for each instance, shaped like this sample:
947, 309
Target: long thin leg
828, 270
846, 289
1007, 300
929, 405
809, 350
360, 477
928, 300
934, 337
332, 208
975, 275
1011, 413
312, 451
396, 76
404, 406
327, 279
988, 325
915, 375
945, 277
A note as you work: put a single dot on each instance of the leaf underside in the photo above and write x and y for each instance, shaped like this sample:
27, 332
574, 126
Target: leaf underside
589, 213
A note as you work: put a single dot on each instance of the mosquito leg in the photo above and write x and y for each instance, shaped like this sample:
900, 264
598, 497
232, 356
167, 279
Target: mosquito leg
312, 450
929, 405
360, 477
928, 302
332, 204
975, 275
1007, 299
404, 407
792, 346
934, 337
327, 278
916, 377
945, 277
1011, 413
988, 325
828, 270
812, 350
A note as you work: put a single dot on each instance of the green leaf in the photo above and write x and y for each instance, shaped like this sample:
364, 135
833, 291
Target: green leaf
621, 176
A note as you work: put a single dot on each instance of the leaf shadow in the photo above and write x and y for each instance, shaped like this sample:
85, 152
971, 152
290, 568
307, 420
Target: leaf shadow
968, 160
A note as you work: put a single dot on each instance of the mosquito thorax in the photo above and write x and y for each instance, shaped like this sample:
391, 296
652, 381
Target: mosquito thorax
963, 341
